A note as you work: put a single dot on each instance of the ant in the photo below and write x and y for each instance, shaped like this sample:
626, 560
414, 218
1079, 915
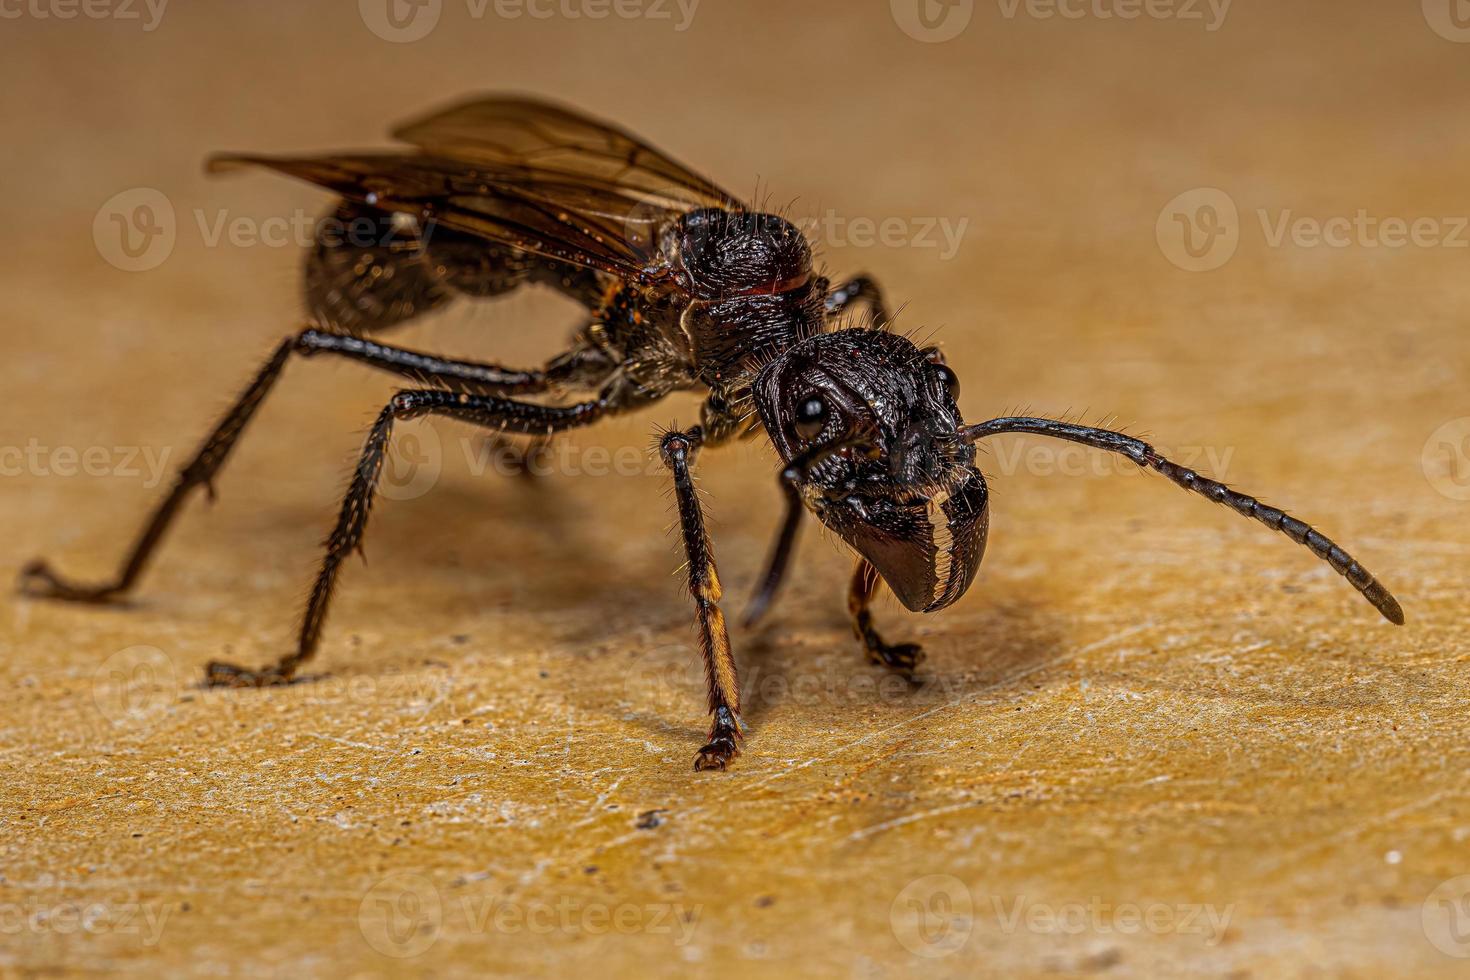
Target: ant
687, 288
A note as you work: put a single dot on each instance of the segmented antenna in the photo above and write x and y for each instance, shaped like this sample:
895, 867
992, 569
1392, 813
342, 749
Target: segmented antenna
1144, 455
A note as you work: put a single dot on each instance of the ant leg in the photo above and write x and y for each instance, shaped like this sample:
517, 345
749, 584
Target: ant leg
792, 478
38, 579
677, 449
858, 288
426, 369
903, 658
483, 410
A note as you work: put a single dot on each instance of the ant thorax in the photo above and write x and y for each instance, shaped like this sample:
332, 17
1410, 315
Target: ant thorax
727, 254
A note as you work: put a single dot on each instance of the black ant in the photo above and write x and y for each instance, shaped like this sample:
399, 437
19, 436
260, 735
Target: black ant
688, 289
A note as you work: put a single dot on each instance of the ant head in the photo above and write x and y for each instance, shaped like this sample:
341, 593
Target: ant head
868, 427
739, 253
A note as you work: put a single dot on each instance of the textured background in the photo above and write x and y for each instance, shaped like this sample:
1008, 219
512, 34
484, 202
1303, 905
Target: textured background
1153, 738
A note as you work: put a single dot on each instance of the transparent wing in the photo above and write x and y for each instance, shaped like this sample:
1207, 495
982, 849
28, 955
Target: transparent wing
543, 137
560, 216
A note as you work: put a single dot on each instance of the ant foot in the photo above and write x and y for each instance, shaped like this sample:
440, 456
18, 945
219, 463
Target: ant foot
38, 581
221, 674
902, 658
722, 746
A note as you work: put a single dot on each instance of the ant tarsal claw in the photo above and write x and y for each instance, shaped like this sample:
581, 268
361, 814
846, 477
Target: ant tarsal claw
38, 581
901, 657
220, 674
717, 754
723, 742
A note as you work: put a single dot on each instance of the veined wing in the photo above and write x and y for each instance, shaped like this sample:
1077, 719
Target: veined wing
543, 137
562, 217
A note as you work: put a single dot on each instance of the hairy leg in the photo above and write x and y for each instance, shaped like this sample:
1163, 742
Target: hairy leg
858, 289
483, 410
903, 658
678, 450
38, 578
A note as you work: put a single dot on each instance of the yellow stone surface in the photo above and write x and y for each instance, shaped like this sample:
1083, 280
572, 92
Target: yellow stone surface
1153, 740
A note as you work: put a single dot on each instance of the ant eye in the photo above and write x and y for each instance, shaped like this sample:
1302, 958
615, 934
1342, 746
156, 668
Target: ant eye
811, 416
949, 380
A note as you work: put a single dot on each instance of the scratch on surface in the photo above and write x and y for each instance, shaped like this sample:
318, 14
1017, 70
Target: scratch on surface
73, 802
878, 828
1009, 679
1291, 857
595, 808
350, 744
